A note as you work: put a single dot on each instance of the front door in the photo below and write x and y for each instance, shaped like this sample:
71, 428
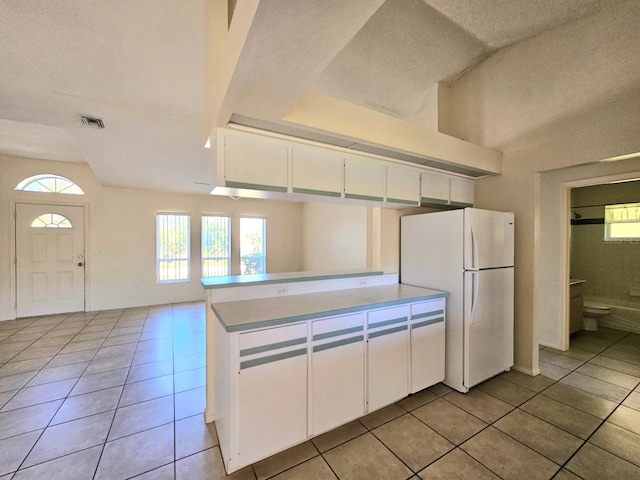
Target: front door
49, 259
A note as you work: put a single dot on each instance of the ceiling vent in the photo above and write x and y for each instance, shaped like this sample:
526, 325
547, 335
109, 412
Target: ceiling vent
92, 122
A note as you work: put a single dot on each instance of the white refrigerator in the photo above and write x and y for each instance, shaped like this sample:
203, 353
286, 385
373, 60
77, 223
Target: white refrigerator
469, 254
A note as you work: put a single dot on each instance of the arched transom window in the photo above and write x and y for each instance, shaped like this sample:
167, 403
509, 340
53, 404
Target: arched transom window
49, 183
51, 220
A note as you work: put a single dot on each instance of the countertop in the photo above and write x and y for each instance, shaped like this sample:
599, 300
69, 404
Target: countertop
266, 312
288, 277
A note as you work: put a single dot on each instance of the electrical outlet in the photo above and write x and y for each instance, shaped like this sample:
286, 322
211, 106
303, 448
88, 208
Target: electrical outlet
282, 290
141, 288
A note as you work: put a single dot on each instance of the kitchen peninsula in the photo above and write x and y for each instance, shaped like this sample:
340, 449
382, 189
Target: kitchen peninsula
291, 356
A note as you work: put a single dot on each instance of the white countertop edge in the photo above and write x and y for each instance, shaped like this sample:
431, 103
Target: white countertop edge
284, 277
356, 307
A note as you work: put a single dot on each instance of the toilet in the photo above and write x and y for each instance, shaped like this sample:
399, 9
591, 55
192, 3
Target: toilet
591, 312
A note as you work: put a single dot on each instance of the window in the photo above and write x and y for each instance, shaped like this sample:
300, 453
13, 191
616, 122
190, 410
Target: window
51, 220
173, 242
216, 246
49, 183
622, 222
252, 245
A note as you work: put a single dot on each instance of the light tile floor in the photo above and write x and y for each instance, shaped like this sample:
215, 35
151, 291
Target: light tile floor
120, 394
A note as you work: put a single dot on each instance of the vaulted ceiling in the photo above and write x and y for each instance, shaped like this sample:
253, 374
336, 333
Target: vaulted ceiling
162, 75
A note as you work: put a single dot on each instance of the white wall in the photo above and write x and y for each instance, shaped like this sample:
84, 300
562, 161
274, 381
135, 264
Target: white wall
333, 236
122, 229
561, 99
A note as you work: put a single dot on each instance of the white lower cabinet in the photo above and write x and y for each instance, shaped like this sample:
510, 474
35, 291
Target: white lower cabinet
427, 341
337, 372
280, 386
272, 391
387, 356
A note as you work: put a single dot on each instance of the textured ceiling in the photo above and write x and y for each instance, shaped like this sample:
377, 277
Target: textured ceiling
141, 66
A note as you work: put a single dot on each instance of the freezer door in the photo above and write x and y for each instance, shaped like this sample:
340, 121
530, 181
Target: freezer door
488, 239
488, 324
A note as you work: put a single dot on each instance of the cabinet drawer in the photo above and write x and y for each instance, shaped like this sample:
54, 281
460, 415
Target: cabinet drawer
337, 326
427, 309
272, 339
388, 316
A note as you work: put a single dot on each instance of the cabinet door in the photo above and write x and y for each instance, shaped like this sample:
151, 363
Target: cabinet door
462, 192
435, 188
403, 185
427, 344
316, 171
255, 163
387, 357
337, 372
576, 308
272, 392
364, 178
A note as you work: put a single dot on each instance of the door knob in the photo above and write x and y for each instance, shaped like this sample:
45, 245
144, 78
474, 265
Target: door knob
80, 264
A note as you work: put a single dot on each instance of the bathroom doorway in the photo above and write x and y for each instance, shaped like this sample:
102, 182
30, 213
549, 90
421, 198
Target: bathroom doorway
552, 262
606, 254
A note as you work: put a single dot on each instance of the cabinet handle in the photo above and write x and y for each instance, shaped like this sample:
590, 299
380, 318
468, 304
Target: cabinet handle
426, 314
272, 358
337, 333
386, 332
388, 322
272, 346
338, 343
427, 322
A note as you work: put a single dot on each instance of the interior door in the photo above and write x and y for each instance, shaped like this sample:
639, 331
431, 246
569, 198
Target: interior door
49, 259
488, 323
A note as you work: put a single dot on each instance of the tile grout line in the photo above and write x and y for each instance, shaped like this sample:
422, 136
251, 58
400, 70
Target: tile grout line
595, 431
56, 412
106, 440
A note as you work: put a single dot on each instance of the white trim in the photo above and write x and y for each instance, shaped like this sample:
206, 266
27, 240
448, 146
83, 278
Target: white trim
531, 372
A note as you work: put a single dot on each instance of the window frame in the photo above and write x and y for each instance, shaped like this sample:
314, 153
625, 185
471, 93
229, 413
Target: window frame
61, 223
202, 243
187, 241
263, 244
629, 210
37, 179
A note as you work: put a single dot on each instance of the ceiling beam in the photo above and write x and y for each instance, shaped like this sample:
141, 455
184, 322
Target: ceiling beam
329, 114
224, 48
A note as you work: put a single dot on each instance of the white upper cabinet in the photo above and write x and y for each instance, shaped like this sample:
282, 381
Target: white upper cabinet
403, 185
462, 191
316, 171
364, 178
256, 163
276, 167
435, 188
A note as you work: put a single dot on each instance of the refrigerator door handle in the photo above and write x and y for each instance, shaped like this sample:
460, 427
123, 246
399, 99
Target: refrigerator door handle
474, 294
474, 250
